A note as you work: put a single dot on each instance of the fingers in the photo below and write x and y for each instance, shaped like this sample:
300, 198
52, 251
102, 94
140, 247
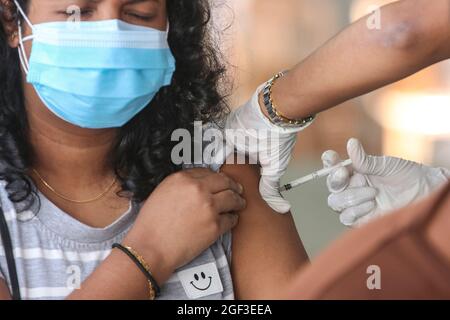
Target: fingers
359, 157
351, 215
215, 182
351, 197
228, 201
225, 192
271, 194
357, 181
219, 182
354, 203
199, 172
330, 158
364, 163
227, 221
337, 180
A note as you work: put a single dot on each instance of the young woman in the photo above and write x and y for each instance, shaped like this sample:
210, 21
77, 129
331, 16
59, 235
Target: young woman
85, 160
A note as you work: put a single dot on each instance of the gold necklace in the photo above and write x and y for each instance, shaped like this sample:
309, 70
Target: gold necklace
48, 186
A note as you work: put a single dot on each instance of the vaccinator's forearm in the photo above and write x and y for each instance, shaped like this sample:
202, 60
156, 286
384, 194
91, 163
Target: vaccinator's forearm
413, 34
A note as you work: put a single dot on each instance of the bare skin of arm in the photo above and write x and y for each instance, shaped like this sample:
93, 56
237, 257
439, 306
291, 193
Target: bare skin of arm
414, 34
117, 278
267, 249
4, 292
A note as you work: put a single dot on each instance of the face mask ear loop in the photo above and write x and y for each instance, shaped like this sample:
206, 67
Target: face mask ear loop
21, 49
167, 30
22, 13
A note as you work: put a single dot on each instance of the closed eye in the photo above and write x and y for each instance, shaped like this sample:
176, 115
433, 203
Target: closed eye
139, 16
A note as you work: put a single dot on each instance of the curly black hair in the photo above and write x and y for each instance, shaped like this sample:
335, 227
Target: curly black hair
141, 155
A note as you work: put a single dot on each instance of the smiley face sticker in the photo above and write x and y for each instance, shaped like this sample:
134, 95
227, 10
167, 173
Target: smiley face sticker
201, 281
198, 280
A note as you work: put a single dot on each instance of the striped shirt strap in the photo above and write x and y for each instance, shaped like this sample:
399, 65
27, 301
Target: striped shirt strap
7, 245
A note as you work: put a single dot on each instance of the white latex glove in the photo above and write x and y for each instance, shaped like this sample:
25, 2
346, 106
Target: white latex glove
272, 149
376, 185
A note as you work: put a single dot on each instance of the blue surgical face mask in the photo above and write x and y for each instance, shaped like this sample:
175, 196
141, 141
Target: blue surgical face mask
97, 74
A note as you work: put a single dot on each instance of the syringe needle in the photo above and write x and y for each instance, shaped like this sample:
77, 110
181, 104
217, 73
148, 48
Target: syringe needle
313, 176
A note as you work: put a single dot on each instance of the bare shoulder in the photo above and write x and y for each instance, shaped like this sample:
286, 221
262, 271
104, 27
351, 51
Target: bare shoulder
262, 240
246, 174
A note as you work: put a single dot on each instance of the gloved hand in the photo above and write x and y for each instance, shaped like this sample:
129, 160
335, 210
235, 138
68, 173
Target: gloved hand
271, 146
376, 185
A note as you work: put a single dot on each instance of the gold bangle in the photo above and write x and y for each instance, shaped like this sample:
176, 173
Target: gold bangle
143, 265
142, 261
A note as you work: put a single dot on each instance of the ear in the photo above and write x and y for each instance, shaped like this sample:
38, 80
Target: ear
13, 39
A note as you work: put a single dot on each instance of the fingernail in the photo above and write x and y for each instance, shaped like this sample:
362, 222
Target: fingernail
241, 188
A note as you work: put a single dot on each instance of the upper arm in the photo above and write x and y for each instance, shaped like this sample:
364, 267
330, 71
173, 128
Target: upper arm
410, 36
266, 247
4, 292
414, 28
430, 21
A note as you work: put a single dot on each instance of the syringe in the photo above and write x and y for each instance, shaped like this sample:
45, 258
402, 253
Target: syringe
313, 176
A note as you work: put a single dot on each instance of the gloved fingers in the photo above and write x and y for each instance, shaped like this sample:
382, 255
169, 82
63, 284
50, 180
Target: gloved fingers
269, 190
364, 163
274, 156
351, 215
357, 181
366, 219
330, 158
350, 198
338, 180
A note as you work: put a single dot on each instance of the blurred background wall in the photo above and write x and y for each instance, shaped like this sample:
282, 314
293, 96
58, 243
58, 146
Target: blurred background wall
408, 119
